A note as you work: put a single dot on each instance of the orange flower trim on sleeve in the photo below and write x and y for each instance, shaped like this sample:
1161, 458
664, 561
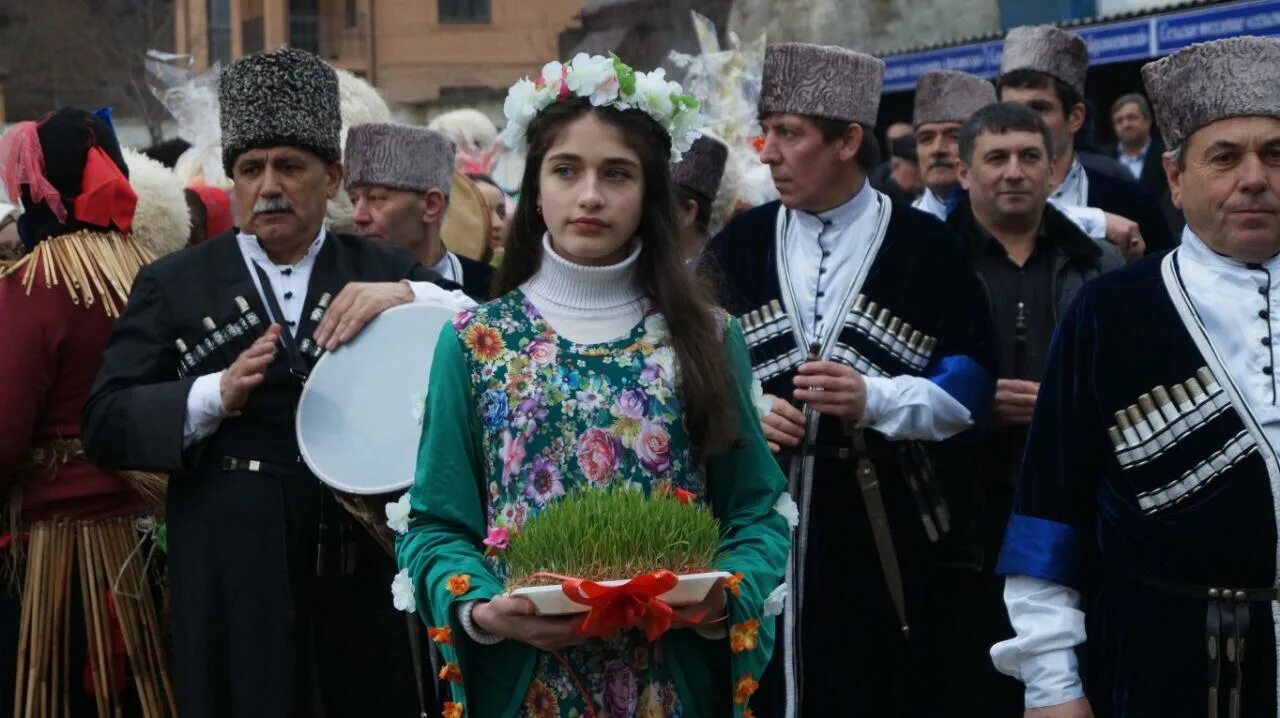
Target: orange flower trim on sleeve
459, 584
733, 585
452, 710
451, 673
442, 635
745, 687
484, 341
742, 637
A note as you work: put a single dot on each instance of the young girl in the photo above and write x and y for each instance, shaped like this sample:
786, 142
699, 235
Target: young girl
601, 364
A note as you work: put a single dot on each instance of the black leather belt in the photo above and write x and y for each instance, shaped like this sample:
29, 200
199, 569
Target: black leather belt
1226, 628
233, 463
841, 453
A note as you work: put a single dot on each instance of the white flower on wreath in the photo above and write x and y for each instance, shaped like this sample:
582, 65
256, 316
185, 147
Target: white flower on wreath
593, 78
398, 514
520, 105
601, 80
787, 509
402, 594
654, 92
776, 601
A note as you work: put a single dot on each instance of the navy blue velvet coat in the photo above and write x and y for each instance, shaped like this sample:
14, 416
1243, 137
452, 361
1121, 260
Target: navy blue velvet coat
1113, 521
847, 627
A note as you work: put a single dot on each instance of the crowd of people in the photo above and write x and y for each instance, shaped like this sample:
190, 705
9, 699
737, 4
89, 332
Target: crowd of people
988, 422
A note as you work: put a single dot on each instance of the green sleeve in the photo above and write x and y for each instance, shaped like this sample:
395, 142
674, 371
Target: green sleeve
744, 485
447, 526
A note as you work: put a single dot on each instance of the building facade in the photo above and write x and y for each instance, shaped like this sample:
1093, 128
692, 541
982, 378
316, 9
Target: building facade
424, 55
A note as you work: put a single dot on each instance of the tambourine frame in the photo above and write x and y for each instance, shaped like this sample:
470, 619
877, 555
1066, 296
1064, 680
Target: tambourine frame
348, 430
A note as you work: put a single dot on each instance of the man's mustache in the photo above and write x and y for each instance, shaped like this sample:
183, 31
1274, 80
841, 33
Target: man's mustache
272, 204
1256, 205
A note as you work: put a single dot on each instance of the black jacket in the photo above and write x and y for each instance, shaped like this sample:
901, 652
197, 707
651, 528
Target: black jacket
134, 416
1076, 257
1154, 180
477, 279
253, 592
1127, 198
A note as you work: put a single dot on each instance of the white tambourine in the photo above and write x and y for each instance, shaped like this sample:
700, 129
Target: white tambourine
360, 416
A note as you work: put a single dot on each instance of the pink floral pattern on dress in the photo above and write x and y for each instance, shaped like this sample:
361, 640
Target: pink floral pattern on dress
557, 416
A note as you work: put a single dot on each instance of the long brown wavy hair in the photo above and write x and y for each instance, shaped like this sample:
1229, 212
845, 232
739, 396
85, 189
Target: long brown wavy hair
685, 302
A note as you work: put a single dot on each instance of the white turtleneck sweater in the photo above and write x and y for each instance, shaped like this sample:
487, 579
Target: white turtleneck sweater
587, 305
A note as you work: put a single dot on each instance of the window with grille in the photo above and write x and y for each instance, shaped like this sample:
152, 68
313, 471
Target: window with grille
219, 30
464, 11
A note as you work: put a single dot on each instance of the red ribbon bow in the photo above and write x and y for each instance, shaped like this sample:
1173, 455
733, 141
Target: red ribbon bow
106, 198
613, 608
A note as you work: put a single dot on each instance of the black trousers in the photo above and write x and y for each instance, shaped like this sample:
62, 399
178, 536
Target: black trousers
854, 658
256, 632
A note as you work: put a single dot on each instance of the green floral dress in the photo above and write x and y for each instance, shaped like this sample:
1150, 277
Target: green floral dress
516, 417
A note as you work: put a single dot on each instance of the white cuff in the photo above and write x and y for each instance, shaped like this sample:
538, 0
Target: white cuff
428, 293
1049, 625
912, 407
873, 411
1091, 220
476, 633
204, 409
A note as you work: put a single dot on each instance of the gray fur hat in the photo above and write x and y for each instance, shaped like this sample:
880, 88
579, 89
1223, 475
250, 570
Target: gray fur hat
404, 157
950, 96
279, 97
702, 167
821, 81
1212, 81
1047, 49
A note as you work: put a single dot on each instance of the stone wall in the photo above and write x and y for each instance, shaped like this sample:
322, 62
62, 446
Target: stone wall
874, 26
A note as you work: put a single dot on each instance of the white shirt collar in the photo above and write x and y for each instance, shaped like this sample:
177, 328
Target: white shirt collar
1074, 190
1142, 153
840, 216
254, 252
1193, 249
448, 267
931, 203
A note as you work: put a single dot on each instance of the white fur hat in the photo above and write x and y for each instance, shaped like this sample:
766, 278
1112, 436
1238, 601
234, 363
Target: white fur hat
162, 220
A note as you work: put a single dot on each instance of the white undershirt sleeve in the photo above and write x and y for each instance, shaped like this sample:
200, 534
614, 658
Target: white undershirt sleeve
1091, 220
428, 293
204, 409
1049, 625
912, 407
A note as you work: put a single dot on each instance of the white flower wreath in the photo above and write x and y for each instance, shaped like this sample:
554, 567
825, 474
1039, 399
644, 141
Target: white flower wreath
605, 81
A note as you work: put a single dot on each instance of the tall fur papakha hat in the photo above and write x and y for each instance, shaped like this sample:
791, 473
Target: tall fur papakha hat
821, 81
275, 98
950, 96
385, 154
1207, 82
702, 167
1047, 49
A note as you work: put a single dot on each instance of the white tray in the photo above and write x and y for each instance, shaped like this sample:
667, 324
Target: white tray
691, 588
